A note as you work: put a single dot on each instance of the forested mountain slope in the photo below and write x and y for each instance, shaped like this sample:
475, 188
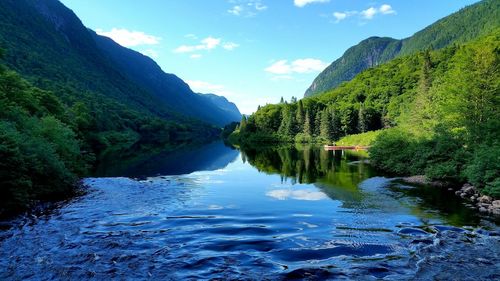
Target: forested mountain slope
168, 88
439, 111
65, 98
47, 43
465, 25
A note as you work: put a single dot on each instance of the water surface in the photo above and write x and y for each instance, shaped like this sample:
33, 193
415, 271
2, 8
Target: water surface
261, 214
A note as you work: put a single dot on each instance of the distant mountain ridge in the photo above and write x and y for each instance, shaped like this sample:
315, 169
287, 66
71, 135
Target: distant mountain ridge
164, 86
47, 43
467, 24
221, 102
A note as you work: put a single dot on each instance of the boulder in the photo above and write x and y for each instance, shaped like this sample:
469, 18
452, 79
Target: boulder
495, 211
485, 199
496, 204
469, 189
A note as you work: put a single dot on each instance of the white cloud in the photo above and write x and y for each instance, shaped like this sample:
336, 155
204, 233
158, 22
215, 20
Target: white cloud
304, 194
246, 8
230, 46
151, 53
260, 7
246, 102
386, 9
369, 13
307, 65
302, 3
279, 67
208, 43
236, 10
340, 16
203, 87
129, 38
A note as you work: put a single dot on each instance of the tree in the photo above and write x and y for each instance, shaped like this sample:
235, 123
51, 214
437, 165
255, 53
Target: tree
308, 130
243, 123
335, 125
317, 123
362, 120
287, 125
326, 125
299, 116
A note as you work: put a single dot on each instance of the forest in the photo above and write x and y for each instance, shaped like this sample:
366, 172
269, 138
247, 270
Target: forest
436, 112
48, 143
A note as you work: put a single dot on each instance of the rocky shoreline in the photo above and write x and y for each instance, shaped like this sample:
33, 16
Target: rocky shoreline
483, 203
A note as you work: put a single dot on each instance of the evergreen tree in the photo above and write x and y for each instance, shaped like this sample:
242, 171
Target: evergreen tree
362, 119
287, 123
299, 116
335, 125
326, 126
243, 123
317, 123
307, 124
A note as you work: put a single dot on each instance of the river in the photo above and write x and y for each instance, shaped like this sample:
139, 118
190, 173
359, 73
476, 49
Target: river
218, 213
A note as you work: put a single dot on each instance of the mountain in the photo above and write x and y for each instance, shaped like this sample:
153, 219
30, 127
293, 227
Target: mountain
469, 23
222, 103
166, 87
368, 53
47, 44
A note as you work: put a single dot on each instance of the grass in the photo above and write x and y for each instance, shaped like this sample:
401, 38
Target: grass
364, 139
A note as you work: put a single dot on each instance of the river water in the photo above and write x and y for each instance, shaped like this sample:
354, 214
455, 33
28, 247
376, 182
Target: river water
215, 213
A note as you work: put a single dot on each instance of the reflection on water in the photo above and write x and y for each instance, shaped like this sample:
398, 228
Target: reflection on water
271, 214
343, 176
140, 163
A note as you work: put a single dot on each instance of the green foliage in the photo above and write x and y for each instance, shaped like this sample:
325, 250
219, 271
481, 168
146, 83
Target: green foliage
40, 154
438, 108
451, 130
463, 26
45, 145
483, 169
363, 139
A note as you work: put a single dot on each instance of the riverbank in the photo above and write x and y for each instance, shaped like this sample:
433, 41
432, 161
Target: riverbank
482, 203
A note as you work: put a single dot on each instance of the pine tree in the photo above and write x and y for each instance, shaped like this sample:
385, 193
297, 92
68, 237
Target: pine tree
362, 119
287, 123
335, 125
282, 100
307, 124
243, 123
317, 123
325, 127
299, 117
425, 76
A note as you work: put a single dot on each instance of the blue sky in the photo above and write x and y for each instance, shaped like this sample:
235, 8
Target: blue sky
254, 51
